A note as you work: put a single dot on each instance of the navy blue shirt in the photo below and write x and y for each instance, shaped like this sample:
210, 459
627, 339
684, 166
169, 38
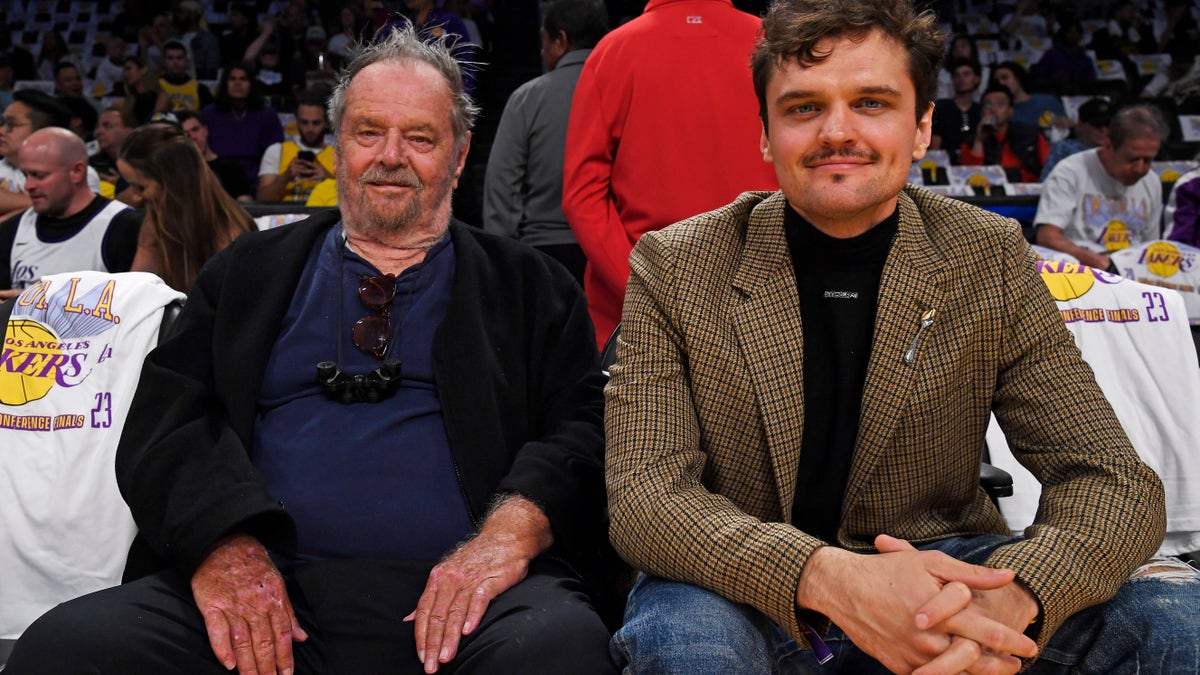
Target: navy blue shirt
363, 479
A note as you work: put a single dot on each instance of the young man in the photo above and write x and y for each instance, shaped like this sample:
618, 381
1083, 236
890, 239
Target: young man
803, 384
227, 171
184, 92
956, 119
307, 523
290, 170
1107, 198
999, 139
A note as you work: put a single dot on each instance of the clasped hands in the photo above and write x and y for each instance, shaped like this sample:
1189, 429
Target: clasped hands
251, 623
922, 612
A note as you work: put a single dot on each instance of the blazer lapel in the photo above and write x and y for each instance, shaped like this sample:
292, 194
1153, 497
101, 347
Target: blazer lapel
768, 330
909, 290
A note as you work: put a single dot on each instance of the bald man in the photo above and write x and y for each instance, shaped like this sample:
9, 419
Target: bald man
68, 227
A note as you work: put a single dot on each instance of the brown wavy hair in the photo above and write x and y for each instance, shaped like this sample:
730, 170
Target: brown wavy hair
194, 217
792, 29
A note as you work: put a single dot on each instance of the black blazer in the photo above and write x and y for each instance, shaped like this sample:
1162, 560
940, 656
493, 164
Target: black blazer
517, 374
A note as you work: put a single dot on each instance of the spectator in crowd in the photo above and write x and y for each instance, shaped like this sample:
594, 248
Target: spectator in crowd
152, 40
204, 48
140, 89
109, 71
23, 65
962, 47
1043, 111
1066, 66
344, 44
956, 120
1105, 199
1025, 21
228, 172
53, 51
276, 84
292, 168
241, 126
68, 86
1181, 81
30, 110
184, 92
1181, 215
1126, 33
241, 31
1089, 132
522, 190
431, 22
189, 216
115, 124
241, 477
1020, 148
637, 162
773, 488
83, 116
67, 227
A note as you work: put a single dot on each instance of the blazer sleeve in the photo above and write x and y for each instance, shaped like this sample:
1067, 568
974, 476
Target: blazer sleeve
663, 518
1082, 546
182, 468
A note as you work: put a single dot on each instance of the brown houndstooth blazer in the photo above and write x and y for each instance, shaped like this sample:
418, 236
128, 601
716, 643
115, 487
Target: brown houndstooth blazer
705, 411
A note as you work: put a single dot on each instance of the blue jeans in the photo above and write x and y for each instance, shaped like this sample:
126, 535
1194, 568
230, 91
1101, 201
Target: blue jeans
1152, 625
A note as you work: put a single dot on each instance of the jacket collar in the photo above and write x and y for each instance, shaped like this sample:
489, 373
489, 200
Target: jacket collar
769, 331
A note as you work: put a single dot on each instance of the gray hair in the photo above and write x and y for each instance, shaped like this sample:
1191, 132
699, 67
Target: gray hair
1137, 121
403, 45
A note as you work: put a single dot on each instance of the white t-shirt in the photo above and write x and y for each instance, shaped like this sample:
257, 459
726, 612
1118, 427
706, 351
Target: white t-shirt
1136, 339
1095, 210
76, 344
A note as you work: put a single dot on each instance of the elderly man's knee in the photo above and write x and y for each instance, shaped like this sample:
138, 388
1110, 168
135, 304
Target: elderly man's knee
62, 640
532, 639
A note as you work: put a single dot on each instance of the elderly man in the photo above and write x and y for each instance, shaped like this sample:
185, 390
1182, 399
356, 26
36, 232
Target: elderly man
291, 169
68, 227
1107, 198
414, 489
803, 383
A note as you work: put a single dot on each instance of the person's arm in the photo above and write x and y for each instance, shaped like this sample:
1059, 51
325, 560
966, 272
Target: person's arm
1183, 227
503, 198
1052, 237
271, 178
8, 233
1056, 210
12, 203
587, 184
264, 34
1082, 546
121, 241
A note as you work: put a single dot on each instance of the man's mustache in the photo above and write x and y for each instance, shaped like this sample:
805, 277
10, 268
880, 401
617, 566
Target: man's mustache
398, 177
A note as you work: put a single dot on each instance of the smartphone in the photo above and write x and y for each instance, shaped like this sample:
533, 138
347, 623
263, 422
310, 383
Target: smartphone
306, 155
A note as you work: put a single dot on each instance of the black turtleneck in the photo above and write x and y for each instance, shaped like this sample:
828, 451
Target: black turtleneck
838, 284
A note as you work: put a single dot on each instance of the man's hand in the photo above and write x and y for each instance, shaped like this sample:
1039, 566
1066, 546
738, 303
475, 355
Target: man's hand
461, 586
971, 616
246, 609
874, 599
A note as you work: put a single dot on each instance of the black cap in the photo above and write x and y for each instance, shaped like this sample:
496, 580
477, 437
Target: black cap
1097, 112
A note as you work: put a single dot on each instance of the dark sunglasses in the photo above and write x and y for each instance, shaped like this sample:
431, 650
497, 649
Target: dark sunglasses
373, 333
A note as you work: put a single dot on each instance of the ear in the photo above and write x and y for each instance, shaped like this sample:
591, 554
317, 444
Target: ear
764, 144
924, 133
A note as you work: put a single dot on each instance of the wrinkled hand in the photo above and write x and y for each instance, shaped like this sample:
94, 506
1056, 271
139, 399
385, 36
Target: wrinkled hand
246, 609
874, 599
461, 586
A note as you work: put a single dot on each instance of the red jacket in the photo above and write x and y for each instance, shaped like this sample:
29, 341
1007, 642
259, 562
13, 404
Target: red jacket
664, 125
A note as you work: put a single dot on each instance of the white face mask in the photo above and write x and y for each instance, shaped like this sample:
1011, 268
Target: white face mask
1057, 134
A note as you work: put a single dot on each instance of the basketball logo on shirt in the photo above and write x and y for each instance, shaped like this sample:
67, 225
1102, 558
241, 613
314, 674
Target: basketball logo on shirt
26, 365
1046, 119
1163, 259
1115, 236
